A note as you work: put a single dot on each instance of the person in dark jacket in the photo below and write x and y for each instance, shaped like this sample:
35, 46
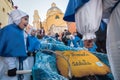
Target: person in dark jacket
101, 37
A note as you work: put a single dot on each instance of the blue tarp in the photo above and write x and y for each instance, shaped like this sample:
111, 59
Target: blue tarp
54, 45
45, 65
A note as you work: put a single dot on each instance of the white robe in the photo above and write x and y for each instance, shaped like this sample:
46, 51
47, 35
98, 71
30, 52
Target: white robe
113, 42
88, 19
107, 7
27, 65
12, 62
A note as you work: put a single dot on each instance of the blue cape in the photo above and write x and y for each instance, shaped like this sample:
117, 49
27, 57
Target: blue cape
103, 26
12, 42
33, 43
71, 9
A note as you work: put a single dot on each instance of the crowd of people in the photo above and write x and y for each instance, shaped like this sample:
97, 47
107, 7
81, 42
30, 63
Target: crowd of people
18, 48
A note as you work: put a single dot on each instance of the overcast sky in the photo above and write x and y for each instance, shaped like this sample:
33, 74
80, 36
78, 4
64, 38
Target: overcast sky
42, 6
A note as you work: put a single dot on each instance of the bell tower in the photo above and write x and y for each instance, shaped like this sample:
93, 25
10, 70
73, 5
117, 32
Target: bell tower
36, 20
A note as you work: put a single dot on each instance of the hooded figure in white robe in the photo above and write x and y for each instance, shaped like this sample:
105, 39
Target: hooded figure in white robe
13, 46
112, 12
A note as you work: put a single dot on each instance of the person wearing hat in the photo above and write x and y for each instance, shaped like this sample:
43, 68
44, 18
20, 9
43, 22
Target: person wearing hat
13, 44
33, 42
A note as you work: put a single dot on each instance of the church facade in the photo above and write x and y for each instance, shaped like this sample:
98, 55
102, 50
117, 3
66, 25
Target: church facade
53, 23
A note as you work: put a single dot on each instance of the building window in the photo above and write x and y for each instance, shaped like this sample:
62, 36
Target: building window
57, 17
9, 0
3, 9
0, 24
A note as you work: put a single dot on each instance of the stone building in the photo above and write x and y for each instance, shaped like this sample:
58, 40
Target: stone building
5, 7
37, 21
54, 22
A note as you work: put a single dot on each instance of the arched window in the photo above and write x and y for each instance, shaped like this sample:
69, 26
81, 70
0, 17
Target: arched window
3, 9
57, 17
9, 1
0, 24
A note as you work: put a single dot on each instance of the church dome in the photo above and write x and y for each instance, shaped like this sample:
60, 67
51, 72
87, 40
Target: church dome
53, 9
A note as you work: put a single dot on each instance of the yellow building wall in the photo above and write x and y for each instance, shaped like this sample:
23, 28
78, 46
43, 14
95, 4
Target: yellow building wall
36, 20
44, 24
51, 20
5, 8
54, 20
